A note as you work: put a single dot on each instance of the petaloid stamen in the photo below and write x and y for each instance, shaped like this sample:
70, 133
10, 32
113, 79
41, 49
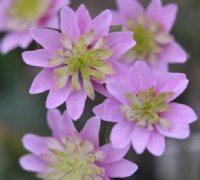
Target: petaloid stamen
145, 108
81, 61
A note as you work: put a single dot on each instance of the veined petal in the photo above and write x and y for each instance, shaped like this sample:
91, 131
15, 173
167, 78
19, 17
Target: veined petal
130, 8
47, 38
156, 144
102, 23
84, 19
141, 76
140, 139
69, 23
32, 163
57, 97
91, 130
121, 135
120, 42
121, 168
42, 82
76, 103
38, 57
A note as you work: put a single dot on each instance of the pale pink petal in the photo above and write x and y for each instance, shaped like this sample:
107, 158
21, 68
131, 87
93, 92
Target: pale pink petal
91, 130
120, 42
35, 144
58, 5
102, 23
109, 111
120, 169
100, 89
184, 113
156, 144
47, 38
83, 18
25, 39
120, 89
141, 76
118, 18
76, 103
159, 67
57, 97
154, 9
140, 138
173, 53
130, 8
32, 163
168, 17
61, 126
69, 23
178, 127
42, 82
38, 57
172, 82
121, 134
9, 42
112, 154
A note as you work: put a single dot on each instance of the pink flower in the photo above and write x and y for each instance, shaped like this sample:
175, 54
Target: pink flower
143, 112
72, 155
78, 60
151, 27
17, 16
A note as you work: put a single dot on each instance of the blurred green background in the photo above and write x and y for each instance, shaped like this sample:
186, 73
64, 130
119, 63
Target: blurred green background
22, 113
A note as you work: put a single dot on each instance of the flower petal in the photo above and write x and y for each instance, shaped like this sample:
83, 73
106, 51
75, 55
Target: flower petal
57, 97
84, 19
141, 76
109, 111
91, 130
47, 38
178, 127
140, 138
42, 82
69, 23
183, 112
76, 103
120, 89
35, 144
32, 163
172, 82
168, 17
112, 154
121, 134
120, 42
130, 8
156, 144
38, 57
60, 125
173, 53
102, 23
120, 169
15, 39
154, 9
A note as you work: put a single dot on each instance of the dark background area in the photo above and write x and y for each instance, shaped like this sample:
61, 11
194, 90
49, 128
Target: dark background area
22, 113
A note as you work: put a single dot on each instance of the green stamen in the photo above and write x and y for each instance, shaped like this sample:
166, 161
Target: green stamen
75, 159
149, 39
81, 60
145, 107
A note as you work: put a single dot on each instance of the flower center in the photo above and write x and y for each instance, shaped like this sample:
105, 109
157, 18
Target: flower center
145, 108
75, 159
149, 39
82, 61
25, 13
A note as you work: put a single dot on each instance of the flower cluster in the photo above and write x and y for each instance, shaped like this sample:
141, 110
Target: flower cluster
80, 56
